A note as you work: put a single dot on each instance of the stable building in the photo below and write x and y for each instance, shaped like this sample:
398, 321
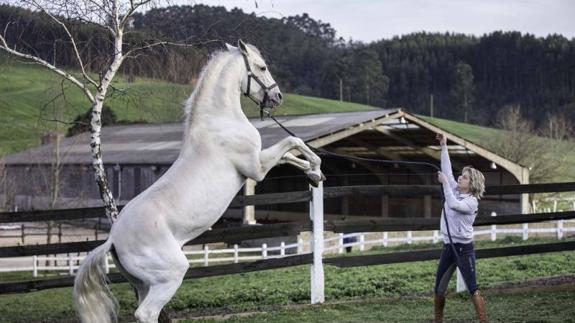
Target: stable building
137, 155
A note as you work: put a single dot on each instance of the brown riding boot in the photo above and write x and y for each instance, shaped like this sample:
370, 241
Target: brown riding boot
479, 304
438, 305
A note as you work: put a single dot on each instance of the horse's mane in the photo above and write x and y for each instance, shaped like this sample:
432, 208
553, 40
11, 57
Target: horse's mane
212, 61
215, 56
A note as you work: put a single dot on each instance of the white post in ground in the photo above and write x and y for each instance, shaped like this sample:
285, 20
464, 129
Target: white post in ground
316, 215
461, 287
236, 254
525, 231
34, 266
265, 251
206, 255
560, 229
71, 265
493, 229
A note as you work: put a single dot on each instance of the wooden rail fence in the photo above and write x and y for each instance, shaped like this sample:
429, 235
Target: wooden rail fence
294, 197
233, 235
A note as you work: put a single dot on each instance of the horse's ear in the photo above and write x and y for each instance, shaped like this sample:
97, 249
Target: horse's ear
230, 47
243, 47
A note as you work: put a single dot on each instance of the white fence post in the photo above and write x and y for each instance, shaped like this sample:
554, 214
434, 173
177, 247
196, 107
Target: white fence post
409, 237
316, 215
340, 242
265, 251
34, 266
71, 265
282, 249
236, 254
461, 287
493, 229
385, 239
560, 229
525, 231
362, 242
435, 236
206, 253
299, 246
555, 206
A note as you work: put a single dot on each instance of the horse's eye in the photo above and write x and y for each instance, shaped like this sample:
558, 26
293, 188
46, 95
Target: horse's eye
263, 68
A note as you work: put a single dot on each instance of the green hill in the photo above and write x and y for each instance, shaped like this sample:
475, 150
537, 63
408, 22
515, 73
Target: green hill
31, 97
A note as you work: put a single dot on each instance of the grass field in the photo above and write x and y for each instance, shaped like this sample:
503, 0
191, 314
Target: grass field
355, 294
536, 305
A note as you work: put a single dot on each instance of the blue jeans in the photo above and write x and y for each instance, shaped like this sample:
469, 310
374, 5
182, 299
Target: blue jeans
448, 262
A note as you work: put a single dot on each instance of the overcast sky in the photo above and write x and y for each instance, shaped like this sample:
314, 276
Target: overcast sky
369, 20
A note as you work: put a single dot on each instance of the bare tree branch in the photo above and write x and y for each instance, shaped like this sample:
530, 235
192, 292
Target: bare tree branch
73, 43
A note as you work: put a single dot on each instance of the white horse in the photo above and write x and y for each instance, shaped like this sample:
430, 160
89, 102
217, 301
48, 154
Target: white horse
221, 148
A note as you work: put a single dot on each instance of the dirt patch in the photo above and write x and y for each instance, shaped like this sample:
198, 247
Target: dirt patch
547, 283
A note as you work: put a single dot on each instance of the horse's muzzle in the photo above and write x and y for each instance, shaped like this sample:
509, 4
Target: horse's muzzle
273, 100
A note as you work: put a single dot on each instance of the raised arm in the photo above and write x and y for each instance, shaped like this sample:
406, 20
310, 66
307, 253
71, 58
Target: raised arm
445, 162
466, 206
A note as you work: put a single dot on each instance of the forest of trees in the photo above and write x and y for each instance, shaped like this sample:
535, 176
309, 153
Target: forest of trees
470, 78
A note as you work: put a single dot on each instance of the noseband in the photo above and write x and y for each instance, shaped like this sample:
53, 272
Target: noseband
266, 89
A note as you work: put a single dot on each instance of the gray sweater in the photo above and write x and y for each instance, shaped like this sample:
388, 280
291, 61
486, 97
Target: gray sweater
459, 208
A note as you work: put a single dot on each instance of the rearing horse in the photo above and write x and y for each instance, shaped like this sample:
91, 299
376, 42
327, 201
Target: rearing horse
221, 148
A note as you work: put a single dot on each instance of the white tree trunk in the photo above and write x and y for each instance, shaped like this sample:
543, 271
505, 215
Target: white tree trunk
96, 128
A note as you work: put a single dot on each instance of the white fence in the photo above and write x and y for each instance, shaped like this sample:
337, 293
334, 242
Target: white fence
67, 264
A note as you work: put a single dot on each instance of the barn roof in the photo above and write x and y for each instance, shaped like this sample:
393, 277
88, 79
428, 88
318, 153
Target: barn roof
161, 143
388, 133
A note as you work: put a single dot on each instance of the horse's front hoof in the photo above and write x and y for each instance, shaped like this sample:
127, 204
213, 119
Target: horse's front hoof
314, 178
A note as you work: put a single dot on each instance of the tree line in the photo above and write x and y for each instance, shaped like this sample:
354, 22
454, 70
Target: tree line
455, 76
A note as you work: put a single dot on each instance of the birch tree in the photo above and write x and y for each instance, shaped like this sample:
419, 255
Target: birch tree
113, 16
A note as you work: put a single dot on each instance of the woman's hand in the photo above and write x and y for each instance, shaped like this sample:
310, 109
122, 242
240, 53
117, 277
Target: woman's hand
441, 178
442, 139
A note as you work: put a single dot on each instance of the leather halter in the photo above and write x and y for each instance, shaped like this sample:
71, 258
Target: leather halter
266, 89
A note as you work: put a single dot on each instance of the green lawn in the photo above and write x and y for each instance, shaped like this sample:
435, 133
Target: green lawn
398, 288
531, 306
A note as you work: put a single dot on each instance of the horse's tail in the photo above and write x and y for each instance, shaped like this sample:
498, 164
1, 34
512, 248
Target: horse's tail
93, 301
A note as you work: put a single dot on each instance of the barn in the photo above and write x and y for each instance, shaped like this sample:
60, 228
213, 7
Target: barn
59, 174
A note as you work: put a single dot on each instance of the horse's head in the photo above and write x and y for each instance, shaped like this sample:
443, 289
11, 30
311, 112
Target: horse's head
258, 83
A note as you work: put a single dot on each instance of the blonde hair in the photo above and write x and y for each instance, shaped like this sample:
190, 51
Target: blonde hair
476, 181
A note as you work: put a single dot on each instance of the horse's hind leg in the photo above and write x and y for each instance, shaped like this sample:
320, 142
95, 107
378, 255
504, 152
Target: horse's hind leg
165, 285
141, 289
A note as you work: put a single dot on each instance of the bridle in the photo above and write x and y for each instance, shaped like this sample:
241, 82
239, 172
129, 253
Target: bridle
266, 89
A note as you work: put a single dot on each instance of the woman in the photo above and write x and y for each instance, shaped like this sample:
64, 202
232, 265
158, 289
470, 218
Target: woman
461, 202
